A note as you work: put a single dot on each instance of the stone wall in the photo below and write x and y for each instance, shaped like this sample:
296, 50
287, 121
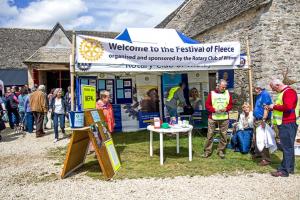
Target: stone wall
274, 36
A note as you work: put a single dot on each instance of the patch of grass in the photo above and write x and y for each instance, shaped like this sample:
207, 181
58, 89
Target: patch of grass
133, 150
58, 153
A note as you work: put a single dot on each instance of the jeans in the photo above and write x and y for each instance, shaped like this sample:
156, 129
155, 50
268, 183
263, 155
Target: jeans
13, 117
172, 111
287, 135
29, 122
23, 119
61, 118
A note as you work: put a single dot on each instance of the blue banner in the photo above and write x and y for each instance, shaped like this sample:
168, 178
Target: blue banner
146, 118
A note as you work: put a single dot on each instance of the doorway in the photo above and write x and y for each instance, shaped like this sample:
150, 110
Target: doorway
58, 79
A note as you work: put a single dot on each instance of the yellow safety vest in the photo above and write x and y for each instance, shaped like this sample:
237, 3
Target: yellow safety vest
220, 101
172, 92
278, 115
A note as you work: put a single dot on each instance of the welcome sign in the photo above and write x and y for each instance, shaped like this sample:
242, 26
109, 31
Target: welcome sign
102, 54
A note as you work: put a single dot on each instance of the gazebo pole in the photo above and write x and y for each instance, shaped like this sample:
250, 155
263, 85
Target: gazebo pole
249, 74
72, 70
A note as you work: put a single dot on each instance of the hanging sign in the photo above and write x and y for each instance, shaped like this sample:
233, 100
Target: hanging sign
102, 54
88, 96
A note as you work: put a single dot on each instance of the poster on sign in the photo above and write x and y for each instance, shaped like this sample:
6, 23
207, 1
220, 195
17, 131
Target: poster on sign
88, 96
113, 156
228, 76
148, 98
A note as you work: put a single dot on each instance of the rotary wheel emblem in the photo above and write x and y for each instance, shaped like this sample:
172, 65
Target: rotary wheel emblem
91, 49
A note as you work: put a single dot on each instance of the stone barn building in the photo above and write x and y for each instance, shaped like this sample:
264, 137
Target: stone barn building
273, 29
33, 56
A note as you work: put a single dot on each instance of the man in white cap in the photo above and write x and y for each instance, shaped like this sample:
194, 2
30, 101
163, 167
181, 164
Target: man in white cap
39, 107
261, 116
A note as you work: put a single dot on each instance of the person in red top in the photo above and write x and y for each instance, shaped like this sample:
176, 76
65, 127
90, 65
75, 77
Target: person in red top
104, 105
218, 104
286, 124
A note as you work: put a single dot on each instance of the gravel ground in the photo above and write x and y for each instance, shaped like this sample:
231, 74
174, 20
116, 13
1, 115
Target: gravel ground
27, 173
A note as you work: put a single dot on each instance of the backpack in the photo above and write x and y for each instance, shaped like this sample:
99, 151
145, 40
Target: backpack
11, 103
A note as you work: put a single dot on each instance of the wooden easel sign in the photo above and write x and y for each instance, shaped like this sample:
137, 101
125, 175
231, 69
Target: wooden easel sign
100, 139
77, 150
97, 138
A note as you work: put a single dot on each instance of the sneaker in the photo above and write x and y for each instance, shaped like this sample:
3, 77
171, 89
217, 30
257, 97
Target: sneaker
206, 155
221, 155
55, 140
39, 135
63, 131
279, 174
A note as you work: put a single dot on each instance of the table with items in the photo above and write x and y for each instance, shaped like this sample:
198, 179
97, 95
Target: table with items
175, 129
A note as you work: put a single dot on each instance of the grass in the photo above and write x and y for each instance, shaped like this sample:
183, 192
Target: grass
133, 150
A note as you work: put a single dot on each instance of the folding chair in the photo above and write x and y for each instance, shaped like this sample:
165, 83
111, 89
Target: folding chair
199, 121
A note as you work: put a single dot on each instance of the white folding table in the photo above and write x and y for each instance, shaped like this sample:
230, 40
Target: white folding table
175, 131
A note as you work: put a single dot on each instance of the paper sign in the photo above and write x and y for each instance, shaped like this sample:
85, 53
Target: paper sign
95, 116
88, 96
113, 156
120, 94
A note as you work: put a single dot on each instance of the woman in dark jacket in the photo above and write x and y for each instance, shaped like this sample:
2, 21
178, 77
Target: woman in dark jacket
58, 109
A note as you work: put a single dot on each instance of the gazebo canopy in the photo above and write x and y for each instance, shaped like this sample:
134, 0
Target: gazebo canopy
155, 36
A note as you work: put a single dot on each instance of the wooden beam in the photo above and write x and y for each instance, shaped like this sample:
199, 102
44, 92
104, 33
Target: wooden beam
250, 74
72, 71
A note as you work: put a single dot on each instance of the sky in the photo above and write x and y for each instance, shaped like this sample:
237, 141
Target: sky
99, 15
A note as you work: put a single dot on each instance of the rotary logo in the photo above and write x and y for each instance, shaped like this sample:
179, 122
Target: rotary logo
91, 49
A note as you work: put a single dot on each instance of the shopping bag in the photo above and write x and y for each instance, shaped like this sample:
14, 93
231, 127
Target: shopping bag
260, 138
270, 139
49, 122
5, 117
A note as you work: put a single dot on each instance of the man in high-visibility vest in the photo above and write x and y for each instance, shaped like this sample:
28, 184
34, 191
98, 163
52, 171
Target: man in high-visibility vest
286, 117
218, 104
175, 98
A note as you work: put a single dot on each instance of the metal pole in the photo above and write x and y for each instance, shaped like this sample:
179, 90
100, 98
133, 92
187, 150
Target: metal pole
72, 70
250, 74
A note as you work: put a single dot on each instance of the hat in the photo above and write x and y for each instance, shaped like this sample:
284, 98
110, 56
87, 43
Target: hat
259, 84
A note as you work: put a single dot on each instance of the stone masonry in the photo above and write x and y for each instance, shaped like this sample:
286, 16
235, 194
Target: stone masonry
274, 37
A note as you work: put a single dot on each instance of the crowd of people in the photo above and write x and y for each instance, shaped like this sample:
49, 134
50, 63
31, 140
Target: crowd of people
30, 106
285, 116
27, 107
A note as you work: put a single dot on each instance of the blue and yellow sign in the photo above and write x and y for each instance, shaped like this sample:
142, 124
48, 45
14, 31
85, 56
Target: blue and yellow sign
113, 156
88, 97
